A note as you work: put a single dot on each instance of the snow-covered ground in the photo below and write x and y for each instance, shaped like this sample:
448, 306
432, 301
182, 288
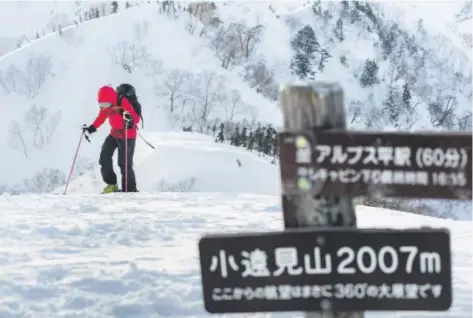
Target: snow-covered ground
184, 161
136, 255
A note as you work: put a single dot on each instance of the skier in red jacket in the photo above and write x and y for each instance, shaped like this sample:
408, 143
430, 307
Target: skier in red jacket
124, 120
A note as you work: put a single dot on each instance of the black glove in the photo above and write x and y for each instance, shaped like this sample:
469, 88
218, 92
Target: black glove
128, 120
90, 129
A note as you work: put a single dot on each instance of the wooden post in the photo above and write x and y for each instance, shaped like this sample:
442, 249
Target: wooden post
306, 106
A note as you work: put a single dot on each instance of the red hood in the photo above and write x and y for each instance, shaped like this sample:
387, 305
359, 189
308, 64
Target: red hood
107, 94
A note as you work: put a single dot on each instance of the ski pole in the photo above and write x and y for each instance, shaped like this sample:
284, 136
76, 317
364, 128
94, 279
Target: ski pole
82, 135
126, 159
126, 120
146, 141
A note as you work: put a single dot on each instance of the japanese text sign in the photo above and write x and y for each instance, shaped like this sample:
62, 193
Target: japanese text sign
428, 165
339, 269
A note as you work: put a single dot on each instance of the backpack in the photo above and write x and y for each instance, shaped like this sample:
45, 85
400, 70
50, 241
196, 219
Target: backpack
128, 91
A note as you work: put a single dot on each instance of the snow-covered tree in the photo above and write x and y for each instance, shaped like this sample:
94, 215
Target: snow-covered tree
305, 45
369, 77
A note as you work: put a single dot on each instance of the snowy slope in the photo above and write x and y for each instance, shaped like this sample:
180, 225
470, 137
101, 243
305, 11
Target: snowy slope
23, 25
439, 17
136, 255
439, 69
190, 162
28, 20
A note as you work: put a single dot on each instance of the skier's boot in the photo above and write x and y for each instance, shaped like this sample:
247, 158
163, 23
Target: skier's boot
110, 189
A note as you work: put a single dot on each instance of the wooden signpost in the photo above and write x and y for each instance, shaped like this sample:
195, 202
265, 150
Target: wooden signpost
322, 263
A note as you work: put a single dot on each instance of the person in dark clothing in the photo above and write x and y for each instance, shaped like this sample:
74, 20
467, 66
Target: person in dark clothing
124, 120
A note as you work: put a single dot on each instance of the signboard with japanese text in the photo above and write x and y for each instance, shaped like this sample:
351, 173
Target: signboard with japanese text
327, 269
409, 165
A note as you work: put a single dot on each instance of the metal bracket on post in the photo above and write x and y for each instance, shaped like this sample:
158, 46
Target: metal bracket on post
308, 107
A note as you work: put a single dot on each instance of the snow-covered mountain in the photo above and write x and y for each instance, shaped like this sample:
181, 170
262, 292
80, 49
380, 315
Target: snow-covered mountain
53, 14
194, 66
26, 21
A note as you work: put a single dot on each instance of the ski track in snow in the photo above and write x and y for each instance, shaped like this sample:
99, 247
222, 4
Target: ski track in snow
136, 255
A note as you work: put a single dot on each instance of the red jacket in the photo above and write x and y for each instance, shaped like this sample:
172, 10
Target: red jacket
109, 95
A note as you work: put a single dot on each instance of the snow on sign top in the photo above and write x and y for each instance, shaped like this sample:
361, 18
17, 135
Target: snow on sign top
377, 163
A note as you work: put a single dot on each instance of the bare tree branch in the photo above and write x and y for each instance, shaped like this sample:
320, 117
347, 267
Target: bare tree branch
17, 139
234, 106
38, 68
130, 56
442, 113
208, 92
175, 88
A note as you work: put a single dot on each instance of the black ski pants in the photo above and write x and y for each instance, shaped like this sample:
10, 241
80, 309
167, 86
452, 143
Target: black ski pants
106, 161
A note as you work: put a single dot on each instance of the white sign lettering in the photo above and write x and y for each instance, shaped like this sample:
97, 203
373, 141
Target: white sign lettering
349, 261
367, 260
338, 155
338, 291
352, 155
222, 262
398, 156
387, 177
430, 262
388, 269
343, 265
286, 259
402, 156
318, 267
255, 263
